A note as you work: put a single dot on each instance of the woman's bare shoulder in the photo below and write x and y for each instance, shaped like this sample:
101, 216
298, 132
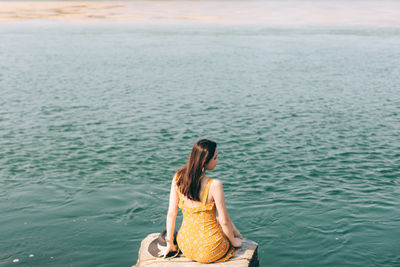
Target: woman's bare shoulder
216, 184
175, 180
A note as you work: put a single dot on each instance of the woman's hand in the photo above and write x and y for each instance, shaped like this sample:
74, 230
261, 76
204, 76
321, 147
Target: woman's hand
237, 242
170, 247
236, 233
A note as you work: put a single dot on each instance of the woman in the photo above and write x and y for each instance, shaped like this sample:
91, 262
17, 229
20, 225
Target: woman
202, 237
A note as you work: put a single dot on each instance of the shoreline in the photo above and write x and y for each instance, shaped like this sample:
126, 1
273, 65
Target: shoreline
273, 13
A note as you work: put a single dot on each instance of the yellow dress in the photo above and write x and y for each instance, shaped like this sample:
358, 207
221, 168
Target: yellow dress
200, 237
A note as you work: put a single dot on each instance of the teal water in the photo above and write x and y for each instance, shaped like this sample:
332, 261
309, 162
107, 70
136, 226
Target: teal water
95, 119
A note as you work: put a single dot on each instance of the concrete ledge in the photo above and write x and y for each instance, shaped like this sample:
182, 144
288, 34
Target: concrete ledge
246, 256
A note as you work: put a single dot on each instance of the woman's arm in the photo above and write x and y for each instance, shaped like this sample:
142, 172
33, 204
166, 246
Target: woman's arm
227, 226
172, 212
236, 232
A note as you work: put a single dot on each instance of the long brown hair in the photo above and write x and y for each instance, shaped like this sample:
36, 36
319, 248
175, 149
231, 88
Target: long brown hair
189, 177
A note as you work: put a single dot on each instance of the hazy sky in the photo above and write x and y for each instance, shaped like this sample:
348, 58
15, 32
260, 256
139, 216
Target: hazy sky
259, 12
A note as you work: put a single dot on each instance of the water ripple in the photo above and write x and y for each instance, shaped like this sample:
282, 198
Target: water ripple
94, 123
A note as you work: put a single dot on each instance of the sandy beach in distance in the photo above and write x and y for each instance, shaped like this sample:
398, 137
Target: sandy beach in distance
379, 13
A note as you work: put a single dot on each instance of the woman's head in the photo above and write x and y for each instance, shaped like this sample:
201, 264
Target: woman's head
203, 152
203, 157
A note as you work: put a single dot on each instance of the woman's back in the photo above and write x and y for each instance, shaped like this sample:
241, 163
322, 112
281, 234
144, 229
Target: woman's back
192, 203
200, 236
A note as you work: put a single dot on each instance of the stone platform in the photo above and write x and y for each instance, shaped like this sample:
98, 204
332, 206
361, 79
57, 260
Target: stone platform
245, 256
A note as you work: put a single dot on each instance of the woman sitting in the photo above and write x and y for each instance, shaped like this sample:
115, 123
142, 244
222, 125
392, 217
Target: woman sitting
203, 236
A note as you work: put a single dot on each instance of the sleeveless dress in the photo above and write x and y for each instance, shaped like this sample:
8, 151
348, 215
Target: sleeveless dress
200, 237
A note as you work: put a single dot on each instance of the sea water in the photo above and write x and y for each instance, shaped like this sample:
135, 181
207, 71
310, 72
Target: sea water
95, 120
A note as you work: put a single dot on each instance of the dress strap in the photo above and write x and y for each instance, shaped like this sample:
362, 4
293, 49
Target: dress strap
177, 188
206, 189
179, 192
